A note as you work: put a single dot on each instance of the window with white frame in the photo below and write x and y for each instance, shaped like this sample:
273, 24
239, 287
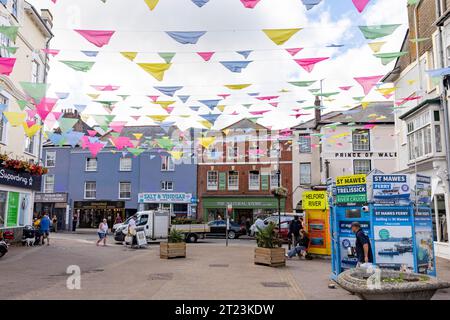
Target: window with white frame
362, 166
212, 180
233, 180
233, 151
49, 184
274, 149
30, 144
125, 164
305, 173
254, 151
124, 190
2, 130
91, 164
167, 163
361, 140
3, 101
50, 159
15, 7
35, 68
4, 44
212, 153
90, 190
420, 133
304, 143
167, 185
254, 180
274, 179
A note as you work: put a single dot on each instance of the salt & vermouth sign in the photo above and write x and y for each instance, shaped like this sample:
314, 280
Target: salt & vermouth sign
20, 179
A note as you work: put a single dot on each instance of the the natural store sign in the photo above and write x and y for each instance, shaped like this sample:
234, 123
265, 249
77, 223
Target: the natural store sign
351, 189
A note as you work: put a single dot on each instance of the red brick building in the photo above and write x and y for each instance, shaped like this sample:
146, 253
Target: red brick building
240, 167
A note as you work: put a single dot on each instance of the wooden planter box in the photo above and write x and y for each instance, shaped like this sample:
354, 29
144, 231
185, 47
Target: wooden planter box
172, 250
270, 257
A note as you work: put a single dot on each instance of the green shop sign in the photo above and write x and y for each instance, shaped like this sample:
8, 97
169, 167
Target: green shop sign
243, 203
351, 194
13, 209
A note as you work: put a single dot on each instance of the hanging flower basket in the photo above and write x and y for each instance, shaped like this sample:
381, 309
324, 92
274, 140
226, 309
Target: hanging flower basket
280, 192
22, 166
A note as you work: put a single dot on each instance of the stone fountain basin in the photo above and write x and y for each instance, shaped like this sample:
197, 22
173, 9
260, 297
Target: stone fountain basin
394, 285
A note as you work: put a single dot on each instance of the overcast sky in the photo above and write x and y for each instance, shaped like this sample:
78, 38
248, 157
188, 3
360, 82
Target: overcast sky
231, 27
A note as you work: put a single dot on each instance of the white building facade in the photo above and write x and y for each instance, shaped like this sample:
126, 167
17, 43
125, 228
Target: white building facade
354, 141
420, 124
17, 189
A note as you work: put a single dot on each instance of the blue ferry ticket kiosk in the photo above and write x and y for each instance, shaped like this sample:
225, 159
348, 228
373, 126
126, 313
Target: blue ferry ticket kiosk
401, 234
343, 240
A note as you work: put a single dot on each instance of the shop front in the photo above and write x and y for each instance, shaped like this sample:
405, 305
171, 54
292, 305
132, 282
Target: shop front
179, 204
244, 208
91, 213
53, 204
17, 191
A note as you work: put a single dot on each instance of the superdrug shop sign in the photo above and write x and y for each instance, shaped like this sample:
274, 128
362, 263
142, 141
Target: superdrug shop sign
19, 179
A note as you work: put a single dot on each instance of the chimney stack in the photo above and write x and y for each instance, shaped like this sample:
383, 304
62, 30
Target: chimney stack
317, 110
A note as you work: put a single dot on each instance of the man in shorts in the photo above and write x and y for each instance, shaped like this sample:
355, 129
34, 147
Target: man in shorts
45, 228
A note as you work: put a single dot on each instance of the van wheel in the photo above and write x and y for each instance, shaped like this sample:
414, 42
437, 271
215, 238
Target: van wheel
231, 235
191, 238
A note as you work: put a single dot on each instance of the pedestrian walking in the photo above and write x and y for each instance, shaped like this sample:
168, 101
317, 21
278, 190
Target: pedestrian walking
110, 220
118, 219
294, 231
132, 230
102, 232
248, 224
363, 246
55, 223
74, 222
44, 229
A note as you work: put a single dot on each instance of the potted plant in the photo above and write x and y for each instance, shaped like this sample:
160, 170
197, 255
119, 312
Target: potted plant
175, 247
269, 251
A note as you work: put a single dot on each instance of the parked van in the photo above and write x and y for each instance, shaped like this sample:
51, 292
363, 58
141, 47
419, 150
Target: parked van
155, 224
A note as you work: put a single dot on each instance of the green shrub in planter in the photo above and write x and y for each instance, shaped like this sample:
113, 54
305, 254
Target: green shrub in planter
175, 236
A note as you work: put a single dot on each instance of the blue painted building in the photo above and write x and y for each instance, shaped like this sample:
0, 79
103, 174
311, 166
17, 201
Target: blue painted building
114, 184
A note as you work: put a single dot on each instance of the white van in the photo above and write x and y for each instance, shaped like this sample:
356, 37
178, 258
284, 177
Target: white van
156, 225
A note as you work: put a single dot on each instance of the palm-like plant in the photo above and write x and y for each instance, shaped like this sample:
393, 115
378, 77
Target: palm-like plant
267, 237
175, 236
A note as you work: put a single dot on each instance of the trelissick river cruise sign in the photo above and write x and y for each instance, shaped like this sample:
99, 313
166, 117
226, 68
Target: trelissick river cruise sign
351, 189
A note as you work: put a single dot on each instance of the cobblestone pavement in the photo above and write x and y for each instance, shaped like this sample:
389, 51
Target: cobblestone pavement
211, 271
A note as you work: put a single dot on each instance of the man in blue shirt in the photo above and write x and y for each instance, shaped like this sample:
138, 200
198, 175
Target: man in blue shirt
363, 247
44, 228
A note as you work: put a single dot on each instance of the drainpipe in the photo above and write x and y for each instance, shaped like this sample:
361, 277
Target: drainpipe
443, 90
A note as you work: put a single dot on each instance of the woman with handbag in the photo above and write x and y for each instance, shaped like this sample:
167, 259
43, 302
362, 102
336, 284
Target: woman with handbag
102, 232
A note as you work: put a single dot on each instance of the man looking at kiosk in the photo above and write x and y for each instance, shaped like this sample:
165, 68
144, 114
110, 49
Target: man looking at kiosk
363, 246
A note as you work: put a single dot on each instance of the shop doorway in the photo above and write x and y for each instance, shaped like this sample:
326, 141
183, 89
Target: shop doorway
440, 223
244, 217
91, 218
